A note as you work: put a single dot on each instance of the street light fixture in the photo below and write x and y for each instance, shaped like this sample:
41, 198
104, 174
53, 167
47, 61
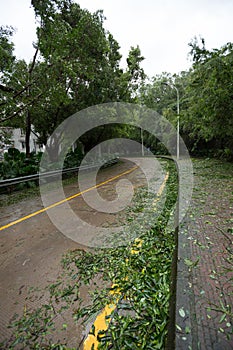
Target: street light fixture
178, 119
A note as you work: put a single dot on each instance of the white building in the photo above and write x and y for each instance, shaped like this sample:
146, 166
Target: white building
10, 137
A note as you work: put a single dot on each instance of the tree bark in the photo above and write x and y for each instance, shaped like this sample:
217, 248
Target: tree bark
28, 114
28, 133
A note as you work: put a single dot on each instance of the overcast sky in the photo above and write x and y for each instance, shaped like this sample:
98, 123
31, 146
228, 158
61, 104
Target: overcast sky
161, 28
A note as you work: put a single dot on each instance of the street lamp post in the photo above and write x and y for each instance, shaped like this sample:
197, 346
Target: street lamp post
178, 120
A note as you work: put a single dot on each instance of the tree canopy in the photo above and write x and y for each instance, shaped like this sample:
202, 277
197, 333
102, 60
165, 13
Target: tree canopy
77, 64
206, 99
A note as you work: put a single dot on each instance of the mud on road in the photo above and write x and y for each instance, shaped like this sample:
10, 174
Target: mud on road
31, 251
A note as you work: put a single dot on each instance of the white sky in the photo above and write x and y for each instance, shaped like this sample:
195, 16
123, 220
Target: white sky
162, 28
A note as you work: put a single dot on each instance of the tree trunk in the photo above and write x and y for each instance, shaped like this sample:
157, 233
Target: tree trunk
28, 133
28, 115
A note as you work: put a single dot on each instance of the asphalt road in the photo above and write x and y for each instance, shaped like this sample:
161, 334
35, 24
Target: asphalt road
31, 251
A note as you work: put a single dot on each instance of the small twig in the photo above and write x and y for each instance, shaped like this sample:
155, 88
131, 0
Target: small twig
224, 234
81, 342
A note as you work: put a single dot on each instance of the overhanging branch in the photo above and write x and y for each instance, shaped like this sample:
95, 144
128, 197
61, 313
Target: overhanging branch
20, 109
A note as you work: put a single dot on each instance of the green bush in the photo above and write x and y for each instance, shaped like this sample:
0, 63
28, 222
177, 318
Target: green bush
15, 164
73, 158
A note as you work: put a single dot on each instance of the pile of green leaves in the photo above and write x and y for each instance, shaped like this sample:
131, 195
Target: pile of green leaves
139, 283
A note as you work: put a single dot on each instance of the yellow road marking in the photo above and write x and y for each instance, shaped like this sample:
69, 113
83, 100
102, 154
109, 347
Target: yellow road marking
102, 320
100, 324
66, 199
160, 191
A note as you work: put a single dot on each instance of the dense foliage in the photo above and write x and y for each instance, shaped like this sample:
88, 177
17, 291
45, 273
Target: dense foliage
205, 100
15, 164
76, 64
210, 98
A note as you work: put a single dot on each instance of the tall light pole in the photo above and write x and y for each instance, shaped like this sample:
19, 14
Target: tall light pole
178, 119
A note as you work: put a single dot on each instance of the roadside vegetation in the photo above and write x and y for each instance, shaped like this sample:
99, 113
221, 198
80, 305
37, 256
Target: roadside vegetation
16, 164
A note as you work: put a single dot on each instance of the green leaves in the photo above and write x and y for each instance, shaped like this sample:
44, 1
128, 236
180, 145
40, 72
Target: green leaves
16, 164
191, 263
209, 96
76, 65
206, 104
6, 48
182, 312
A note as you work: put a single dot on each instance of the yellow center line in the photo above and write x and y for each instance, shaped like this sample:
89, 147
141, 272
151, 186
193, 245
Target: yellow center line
102, 320
66, 199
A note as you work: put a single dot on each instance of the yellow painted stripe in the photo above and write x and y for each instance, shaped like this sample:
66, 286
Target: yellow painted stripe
160, 191
66, 199
101, 324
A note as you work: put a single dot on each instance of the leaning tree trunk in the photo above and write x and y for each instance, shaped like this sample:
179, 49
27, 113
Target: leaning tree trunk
28, 115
